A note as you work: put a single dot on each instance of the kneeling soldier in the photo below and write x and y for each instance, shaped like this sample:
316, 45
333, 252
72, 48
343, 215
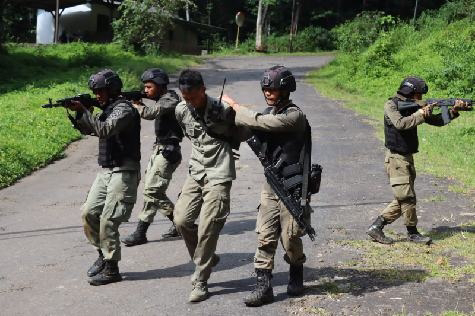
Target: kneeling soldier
166, 156
114, 192
401, 141
284, 132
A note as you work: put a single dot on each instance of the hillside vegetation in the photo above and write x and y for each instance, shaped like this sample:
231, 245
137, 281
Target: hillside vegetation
30, 136
377, 51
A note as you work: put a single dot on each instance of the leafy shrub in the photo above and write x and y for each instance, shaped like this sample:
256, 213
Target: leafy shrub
310, 39
359, 33
313, 38
142, 24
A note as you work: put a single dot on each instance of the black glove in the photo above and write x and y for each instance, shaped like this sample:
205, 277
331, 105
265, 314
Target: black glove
172, 153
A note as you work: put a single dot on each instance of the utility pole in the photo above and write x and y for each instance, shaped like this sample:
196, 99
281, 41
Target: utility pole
56, 23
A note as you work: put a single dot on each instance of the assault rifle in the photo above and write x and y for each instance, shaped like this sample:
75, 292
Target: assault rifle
134, 95
88, 101
291, 200
85, 99
443, 104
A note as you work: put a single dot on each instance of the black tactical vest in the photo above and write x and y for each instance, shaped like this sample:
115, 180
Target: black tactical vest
285, 150
401, 141
126, 144
167, 129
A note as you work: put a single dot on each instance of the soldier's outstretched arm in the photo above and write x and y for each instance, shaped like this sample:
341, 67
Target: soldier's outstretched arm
402, 122
150, 109
291, 120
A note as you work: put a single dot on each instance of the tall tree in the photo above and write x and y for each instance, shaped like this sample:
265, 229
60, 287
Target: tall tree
296, 5
262, 10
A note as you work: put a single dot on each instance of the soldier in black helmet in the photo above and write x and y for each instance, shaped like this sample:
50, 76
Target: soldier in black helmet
283, 130
166, 156
401, 141
114, 191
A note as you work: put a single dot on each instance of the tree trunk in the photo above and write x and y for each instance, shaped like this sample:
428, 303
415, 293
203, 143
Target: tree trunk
296, 4
260, 24
296, 15
2, 33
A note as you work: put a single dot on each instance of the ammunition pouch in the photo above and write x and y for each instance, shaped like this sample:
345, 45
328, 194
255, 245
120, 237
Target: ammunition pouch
315, 179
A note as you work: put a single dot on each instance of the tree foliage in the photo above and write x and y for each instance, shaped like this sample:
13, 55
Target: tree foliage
142, 24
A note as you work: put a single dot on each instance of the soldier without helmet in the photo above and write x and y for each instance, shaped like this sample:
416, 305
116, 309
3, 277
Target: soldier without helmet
114, 192
206, 191
166, 155
282, 128
401, 141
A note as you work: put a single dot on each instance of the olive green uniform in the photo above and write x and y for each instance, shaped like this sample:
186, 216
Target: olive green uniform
274, 220
400, 167
206, 192
113, 194
159, 170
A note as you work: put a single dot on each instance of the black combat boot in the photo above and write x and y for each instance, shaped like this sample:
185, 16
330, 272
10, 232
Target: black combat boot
295, 286
172, 231
262, 293
375, 231
138, 237
97, 266
414, 236
109, 274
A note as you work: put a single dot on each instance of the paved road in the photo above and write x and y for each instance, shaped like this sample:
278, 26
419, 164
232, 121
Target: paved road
44, 254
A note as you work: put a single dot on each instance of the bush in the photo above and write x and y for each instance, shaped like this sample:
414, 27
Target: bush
359, 33
142, 24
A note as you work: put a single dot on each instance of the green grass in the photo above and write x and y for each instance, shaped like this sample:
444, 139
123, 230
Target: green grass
31, 137
442, 54
451, 257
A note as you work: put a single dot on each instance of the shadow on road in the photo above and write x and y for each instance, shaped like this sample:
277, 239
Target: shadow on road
443, 232
237, 227
228, 261
329, 280
40, 232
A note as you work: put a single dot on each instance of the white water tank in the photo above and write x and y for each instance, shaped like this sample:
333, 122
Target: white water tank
44, 27
45, 22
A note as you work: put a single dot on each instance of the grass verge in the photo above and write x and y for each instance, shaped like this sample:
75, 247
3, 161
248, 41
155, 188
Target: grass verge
451, 257
31, 137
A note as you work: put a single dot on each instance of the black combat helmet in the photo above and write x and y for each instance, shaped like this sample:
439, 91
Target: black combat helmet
155, 75
278, 77
106, 79
411, 85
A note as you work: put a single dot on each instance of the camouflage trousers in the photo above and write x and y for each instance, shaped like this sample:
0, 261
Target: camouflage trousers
210, 203
402, 174
275, 222
156, 180
109, 203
